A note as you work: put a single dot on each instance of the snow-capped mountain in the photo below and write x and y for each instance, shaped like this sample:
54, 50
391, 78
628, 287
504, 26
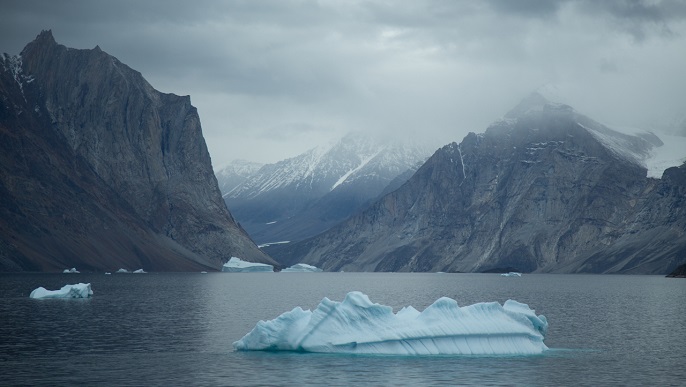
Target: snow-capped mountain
304, 195
235, 173
546, 189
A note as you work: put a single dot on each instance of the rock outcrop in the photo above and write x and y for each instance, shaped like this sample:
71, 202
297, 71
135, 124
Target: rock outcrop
99, 170
679, 272
544, 190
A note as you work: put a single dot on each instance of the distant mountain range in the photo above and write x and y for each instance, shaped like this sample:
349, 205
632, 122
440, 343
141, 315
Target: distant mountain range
235, 174
100, 171
305, 195
546, 189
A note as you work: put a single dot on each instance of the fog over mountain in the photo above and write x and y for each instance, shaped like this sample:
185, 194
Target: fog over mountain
302, 196
546, 189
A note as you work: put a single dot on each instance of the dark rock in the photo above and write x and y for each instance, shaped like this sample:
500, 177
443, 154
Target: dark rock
539, 191
101, 171
679, 272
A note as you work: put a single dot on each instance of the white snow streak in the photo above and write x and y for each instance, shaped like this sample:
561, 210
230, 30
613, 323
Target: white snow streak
352, 171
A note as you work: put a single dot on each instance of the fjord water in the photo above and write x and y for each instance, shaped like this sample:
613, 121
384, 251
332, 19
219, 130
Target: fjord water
177, 328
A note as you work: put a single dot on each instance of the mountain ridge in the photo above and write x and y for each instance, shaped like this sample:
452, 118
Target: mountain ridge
308, 193
538, 191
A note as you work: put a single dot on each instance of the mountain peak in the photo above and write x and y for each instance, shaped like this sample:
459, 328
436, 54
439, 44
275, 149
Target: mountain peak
532, 102
45, 37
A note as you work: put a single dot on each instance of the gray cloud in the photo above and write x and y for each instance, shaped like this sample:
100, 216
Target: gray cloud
273, 78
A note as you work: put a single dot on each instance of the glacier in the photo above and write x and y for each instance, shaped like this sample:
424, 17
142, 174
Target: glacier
237, 265
79, 290
358, 326
301, 268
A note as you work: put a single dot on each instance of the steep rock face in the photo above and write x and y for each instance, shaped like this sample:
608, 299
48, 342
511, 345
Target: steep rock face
305, 195
539, 191
101, 171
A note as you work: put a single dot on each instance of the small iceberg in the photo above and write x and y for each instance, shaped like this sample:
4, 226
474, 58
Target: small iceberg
72, 271
140, 271
301, 268
237, 265
512, 274
107, 273
68, 291
358, 326
122, 271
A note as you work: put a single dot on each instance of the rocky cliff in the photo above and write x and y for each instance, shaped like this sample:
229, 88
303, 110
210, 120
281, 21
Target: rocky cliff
100, 171
544, 190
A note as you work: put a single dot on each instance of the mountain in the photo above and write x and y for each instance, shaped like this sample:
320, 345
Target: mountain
100, 171
234, 174
546, 189
305, 195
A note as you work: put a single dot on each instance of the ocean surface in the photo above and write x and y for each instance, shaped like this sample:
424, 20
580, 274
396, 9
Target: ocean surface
177, 329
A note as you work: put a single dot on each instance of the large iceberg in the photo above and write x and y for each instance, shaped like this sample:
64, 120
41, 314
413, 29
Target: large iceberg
237, 265
512, 274
359, 326
71, 271
79, 290
301, 268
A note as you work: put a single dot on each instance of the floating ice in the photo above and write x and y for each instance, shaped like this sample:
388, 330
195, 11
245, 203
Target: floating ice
68, 291
237, 265
512, 274
359, 326
122, 271
72, 271
301, 268
140, 271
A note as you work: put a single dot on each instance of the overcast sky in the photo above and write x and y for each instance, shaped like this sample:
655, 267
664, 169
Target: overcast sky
271, 79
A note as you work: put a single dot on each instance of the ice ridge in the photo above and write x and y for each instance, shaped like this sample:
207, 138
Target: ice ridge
358, 326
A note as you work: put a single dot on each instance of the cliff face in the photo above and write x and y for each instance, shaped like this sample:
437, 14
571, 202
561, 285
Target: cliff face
100, 170
540, 191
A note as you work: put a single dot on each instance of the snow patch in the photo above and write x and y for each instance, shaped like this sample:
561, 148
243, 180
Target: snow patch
352, 171
671, 154
272, 243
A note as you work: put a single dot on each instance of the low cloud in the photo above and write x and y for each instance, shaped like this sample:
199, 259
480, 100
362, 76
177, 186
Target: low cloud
273, 78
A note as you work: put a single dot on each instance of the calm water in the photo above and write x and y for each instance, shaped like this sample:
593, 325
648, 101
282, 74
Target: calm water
161, 329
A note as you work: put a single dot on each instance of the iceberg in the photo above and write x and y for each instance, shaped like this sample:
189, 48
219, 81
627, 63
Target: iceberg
122, 271
68, 291
237, 265
72, 271
358, 326
511, 274
301, 268
140, 271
